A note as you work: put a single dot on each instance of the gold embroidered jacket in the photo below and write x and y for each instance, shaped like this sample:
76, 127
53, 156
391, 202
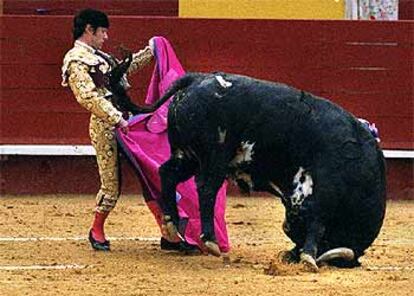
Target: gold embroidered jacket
79, 64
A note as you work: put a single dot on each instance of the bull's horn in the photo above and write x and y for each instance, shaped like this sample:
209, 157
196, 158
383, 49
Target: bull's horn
308, 262
343, 253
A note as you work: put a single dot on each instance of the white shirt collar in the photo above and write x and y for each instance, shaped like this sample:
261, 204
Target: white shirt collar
79, 43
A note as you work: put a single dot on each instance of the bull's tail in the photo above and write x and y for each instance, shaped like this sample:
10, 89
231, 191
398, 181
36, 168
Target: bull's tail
178, 85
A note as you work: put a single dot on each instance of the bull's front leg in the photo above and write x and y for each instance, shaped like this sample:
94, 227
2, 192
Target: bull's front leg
176, 170
208, 182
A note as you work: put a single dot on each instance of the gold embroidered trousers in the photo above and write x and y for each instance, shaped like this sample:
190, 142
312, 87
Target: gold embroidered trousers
103, 140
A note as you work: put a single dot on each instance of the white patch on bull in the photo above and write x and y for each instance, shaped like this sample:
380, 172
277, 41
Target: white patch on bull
217, 95
244, 153
222, 135
223, 83
304, 187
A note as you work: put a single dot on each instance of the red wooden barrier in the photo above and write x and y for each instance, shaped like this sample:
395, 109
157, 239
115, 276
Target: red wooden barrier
70, 7
406, 10
367, 67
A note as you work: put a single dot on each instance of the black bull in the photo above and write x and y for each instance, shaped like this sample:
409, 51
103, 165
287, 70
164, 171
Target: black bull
318, 158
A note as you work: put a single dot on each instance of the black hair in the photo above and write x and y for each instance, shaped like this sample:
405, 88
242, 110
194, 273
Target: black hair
93, 17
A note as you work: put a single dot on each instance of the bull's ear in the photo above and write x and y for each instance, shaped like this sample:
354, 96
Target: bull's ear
121, 69
127, 62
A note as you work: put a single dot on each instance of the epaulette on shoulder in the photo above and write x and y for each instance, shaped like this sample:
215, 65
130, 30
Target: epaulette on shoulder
77, 54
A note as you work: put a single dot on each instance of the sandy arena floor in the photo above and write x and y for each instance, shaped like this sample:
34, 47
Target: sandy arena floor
61, 262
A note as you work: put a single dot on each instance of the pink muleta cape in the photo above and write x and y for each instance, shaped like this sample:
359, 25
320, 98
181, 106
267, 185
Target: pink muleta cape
146, 145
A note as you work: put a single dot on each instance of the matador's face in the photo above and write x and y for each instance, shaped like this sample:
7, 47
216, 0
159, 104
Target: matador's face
99, 37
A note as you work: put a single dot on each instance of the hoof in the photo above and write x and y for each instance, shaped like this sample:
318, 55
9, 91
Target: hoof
170, 232
308, 262
212, 248
338, 253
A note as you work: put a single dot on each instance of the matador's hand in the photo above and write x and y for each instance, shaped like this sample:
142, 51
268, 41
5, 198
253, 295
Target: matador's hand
123, 125
151, 44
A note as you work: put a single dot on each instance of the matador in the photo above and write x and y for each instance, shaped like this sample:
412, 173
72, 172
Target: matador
81, 66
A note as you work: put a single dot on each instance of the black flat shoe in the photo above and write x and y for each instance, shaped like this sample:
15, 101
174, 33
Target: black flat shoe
98, 246
169, 246
178, 246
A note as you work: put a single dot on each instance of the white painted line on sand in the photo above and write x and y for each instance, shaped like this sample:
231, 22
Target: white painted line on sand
390, 268
47, 150
87, 150
11, 239
79, 238
43, 267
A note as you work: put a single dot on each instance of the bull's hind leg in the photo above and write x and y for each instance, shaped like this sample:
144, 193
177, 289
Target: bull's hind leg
208, 182
208, 187
176, 170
